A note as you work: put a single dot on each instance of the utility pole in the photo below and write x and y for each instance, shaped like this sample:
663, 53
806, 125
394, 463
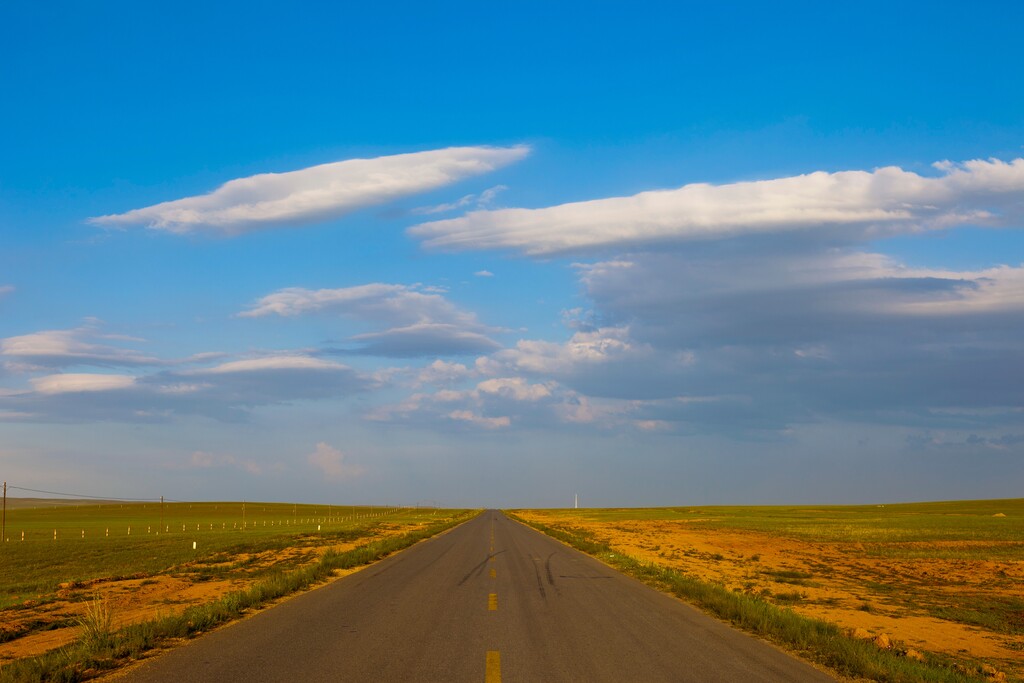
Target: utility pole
161, 513
3, 527
243, 515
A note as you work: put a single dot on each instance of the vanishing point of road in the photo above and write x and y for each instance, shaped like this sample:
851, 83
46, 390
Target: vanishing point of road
491, 600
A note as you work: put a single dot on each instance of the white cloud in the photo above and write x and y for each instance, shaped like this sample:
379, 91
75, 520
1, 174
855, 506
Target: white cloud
652, 425
15, 416
424, 339
994, 290
205, 460
498, 402
515, 388
182, 388
240, 384
553, 358
484, 273
442, 373
227, 391
62, 348
502, 402
794, 293
287, 362
418, 320
80, 383
378, 302
480, 201
607, 362
316, 193
789, 333
479, 420
333, 464
755, 338
887, 200
5, 290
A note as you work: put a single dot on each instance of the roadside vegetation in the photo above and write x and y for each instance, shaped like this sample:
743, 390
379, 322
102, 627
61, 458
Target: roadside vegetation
777, 594
270, 561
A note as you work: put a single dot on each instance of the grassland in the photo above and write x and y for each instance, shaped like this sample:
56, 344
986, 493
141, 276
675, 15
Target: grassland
183, 568
934, 591
66, 543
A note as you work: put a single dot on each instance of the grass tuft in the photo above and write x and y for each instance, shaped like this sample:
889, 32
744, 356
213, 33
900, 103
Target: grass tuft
97, 625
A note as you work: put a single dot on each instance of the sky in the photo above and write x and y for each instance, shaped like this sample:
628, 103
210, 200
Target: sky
480, 254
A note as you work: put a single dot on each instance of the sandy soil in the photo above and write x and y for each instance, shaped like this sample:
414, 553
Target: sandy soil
52, 623
130, 601
846, 585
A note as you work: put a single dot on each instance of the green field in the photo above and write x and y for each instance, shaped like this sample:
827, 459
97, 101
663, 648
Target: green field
878, 528
49, 580
66, 542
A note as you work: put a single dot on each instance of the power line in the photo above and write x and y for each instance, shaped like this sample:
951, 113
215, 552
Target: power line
82, 495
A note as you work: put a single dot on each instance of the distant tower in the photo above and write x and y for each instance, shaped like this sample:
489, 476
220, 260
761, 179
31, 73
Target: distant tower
576, 501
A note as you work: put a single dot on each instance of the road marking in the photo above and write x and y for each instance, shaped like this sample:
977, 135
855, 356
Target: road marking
494, 574
493, 674
492, 602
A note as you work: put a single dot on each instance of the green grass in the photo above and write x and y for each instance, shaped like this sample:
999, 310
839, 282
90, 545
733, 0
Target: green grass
792, 577
32, 569
815, 639
1003, 615
100, 649
97, 625
913, 523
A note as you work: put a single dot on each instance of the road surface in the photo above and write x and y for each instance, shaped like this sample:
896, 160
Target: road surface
491, 600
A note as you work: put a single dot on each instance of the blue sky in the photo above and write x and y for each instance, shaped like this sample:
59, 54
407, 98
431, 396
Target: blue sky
650, 253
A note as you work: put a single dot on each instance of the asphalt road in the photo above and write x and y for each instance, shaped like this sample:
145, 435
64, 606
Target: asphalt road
491, 600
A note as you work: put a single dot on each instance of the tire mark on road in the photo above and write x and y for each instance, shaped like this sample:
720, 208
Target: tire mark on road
479, 568
540, 581
551, 576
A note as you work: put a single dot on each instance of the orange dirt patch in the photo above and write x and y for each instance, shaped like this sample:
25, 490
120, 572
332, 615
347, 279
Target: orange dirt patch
130, 601
837, 582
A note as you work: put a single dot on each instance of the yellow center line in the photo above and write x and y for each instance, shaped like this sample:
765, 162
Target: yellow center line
494, 574
492, 602
493, 674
